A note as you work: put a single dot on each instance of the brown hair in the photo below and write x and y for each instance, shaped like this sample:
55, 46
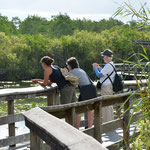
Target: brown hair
72, 62
47, 60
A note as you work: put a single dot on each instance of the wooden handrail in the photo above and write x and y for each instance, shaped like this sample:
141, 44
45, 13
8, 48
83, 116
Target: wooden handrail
18, 93
59, 111
10, 95
104, 99
56, 133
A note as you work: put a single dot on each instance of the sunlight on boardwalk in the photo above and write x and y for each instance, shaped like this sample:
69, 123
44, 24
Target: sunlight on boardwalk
107, 138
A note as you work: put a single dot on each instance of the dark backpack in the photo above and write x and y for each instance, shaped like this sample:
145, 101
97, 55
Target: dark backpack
117, 84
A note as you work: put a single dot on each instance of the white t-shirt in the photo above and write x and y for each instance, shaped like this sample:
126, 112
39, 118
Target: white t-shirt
107, 70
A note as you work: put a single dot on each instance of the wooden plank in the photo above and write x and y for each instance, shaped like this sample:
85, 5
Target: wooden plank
119, 143
14, 140
57, 133
111, 125
53, 98
105, 127
56, 98
97, 121
60, 112
89, 131
11, 126
134, 83
117, 100
50, 99
19, 117
29, 90
35, 142
106, 101
9, 94
11, 119
19, 93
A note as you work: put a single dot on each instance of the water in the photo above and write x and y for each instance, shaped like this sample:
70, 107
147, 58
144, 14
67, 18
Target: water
16, 84
20, 129
20, 106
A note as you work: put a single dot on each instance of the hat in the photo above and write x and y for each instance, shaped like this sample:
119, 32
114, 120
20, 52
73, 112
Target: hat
107, 52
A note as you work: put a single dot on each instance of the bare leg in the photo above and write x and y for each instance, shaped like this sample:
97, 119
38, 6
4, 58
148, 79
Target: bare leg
90, 118
78, 119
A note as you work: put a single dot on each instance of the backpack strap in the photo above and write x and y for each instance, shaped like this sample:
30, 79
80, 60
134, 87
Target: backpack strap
113, 71
90, 79
110, 79
108, 76
113, 67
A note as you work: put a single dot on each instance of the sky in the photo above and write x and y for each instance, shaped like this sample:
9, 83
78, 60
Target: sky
89, 9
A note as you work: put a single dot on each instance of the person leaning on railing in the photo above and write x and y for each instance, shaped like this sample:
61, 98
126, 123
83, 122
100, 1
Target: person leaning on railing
52, 74
106, 85
86, 88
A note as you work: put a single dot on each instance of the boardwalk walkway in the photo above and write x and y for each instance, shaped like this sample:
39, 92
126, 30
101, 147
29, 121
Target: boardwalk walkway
107, 138
13, 120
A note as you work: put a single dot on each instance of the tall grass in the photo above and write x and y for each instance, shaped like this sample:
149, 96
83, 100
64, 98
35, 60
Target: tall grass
142, 104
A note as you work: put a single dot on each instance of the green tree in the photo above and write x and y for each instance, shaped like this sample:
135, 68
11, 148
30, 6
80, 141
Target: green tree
61, 25
6, 26
16, 22
34, 25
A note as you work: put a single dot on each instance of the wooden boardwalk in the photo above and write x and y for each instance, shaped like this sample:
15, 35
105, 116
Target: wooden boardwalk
98, 131
108, 139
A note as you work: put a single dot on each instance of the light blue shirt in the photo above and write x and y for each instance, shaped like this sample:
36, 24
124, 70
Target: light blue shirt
82, 76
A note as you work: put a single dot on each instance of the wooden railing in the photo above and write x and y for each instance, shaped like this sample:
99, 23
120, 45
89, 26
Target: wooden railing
58, 134
9, 95
67, 111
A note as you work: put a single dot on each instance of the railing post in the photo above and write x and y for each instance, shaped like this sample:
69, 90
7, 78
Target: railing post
97, 121
50, 99
56, 97
53, 98
12, 125
71, 116
126, 122
35, 141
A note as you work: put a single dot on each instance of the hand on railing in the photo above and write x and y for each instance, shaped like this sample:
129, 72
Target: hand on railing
36, 80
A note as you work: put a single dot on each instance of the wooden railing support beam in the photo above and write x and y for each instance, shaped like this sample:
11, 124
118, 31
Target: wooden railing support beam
35, 141
97, 121
11, 126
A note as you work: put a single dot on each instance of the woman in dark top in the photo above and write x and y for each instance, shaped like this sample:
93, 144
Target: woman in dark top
53, 74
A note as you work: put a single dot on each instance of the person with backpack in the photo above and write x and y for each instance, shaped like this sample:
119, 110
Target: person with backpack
86, 88
52, 74
106, 75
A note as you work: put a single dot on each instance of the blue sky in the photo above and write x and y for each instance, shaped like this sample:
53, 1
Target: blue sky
90, 9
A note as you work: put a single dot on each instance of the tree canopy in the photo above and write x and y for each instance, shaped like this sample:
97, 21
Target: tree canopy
23, 43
